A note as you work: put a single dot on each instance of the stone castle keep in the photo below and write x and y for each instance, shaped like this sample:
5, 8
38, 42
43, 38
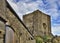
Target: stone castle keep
35, 27
38, 23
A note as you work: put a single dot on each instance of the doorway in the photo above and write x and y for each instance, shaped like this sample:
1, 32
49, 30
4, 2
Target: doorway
9, 38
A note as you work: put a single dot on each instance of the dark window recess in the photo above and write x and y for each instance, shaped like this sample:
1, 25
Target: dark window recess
20, 34
4, 38
30, 38
16, 41
44, 25
0, 32
2, 20
44, 33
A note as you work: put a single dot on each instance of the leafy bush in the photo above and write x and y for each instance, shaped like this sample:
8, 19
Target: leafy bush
39, 40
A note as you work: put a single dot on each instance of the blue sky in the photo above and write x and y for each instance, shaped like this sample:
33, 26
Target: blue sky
49, 7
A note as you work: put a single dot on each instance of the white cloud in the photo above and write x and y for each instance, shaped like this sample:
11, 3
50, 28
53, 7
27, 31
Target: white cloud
56, 29
51, 8
15, 7
22, 7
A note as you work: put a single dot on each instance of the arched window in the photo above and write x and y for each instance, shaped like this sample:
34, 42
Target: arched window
44, 25
9, 35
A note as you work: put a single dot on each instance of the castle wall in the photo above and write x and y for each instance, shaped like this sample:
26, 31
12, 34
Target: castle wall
38, 24
2, 22
45, 23
2, 9
20, 33
2, 31
28, 21
56, 39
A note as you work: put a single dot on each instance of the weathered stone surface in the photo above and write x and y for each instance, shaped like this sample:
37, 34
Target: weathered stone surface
31, 41
2, 31
21, 34
56, 39
38, 23
20, 30
3, 9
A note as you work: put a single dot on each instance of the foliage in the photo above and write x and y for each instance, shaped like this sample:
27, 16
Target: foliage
39, 40
46, 38
43, 39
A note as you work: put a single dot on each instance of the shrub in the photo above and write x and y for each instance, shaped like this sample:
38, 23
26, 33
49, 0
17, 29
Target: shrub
39, 40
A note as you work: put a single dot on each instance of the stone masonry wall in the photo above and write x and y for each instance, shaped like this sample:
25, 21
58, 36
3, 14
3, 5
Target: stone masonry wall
21, 34
2, 31
38, 23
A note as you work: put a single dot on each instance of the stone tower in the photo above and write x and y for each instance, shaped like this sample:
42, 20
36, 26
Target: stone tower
38, 23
